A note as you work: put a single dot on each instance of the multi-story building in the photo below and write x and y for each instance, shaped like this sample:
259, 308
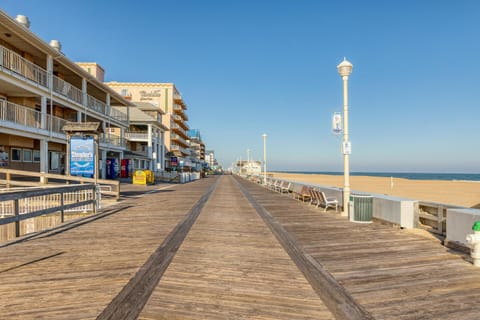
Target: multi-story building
40, 90
146, 134
197, 149
210, 159
145, 138
166, 97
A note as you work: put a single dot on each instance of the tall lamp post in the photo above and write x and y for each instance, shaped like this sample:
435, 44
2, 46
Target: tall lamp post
264, 158
345, 69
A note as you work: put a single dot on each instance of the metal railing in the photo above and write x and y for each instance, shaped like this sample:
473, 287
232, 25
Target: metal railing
118, 115
96, 105
113, 140
141, 135
14, 62
29, 117
26, 204
67, 90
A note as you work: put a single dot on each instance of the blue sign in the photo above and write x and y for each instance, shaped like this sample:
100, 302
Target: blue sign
82, 157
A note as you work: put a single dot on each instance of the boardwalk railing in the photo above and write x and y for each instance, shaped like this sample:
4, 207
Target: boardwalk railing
10, 177
26, 204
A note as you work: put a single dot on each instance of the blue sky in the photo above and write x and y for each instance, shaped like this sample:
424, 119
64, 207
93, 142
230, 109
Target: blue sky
251, 67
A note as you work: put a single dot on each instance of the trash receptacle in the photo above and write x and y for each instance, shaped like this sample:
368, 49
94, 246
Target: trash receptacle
361, 208
139, 177
150, 177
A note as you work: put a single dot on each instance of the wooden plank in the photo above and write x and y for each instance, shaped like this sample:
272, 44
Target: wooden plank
393, 273
230, 266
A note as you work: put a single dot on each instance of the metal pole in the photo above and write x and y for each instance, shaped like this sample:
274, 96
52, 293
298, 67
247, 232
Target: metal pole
265, 159
346, 160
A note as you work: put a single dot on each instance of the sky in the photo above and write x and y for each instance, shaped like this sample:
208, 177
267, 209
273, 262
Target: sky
249, 67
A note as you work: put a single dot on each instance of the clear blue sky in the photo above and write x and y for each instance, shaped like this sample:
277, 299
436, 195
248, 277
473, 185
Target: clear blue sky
251, 67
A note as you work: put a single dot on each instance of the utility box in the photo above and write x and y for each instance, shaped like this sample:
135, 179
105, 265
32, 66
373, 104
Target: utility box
361, 208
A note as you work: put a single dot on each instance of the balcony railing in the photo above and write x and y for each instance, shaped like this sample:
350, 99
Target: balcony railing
113, 140
14, 62
118, 115
67, 90
96, 105
28, 117
141, 135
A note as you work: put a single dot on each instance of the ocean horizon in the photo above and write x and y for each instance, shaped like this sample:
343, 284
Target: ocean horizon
404, 175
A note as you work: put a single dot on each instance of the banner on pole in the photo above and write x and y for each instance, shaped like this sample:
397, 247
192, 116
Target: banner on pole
337, 123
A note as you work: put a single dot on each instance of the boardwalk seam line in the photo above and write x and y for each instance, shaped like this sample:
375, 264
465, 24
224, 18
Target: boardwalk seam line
332, 293
130, 301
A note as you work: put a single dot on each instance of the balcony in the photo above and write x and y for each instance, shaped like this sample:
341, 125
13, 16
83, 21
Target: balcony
112, 140
19, 67
67, 90
179, 130
29, 118
178, 139
137, 136
178, 150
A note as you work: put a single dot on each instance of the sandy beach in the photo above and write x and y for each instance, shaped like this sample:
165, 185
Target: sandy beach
461, 193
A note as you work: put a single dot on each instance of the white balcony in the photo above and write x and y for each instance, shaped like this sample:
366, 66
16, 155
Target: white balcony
141, 136
29, 118
17, 66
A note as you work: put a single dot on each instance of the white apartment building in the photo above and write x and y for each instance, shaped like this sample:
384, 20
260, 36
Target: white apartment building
40, 90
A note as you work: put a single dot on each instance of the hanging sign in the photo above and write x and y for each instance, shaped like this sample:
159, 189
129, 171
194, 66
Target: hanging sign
337, 123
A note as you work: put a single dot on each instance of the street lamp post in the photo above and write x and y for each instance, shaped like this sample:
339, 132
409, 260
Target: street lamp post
264, 158
345, 69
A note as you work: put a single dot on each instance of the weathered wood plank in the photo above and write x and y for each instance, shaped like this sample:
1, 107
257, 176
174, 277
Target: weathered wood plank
393, 273
230, 266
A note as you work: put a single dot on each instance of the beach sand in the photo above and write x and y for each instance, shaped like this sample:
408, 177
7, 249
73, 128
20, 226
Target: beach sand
461, 193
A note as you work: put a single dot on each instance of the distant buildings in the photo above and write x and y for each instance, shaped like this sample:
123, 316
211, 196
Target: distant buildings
197, 150
143, 125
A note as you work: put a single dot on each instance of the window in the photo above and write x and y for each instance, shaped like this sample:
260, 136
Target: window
27, 155
16, 154
36, 155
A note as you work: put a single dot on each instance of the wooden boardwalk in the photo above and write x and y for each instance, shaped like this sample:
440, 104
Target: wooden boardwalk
225, 248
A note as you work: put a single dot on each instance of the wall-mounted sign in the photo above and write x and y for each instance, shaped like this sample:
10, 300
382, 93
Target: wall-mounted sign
337, 123
82, 156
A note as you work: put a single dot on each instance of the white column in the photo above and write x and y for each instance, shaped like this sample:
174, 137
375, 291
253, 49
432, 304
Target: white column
43, 121
149, 145
103, 167
346, 159
84, 98
162, 147
43, 158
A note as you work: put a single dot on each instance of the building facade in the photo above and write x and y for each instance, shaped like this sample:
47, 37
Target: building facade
168, 99
197, 150
40, 91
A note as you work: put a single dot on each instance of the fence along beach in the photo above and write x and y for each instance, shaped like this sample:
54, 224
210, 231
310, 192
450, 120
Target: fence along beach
460, 193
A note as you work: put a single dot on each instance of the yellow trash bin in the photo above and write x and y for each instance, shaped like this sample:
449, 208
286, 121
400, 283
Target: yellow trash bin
139, 177
150, 176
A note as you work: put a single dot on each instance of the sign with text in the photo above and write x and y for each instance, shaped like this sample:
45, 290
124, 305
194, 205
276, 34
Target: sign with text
82, 157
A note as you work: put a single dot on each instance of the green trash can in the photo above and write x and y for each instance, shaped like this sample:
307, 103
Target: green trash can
361, 208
